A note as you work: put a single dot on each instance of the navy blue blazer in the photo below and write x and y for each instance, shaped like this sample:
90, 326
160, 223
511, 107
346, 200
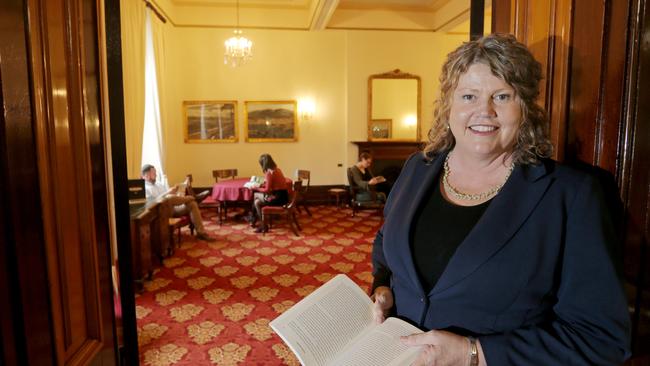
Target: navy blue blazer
533, 279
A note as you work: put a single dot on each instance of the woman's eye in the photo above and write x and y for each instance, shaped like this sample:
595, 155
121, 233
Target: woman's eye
468, 97
502, 97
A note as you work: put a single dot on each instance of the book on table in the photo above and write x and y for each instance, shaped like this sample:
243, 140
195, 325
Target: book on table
254, 182
334, 326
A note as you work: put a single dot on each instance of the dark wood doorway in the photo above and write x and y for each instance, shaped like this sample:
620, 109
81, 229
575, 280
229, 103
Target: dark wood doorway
56, 293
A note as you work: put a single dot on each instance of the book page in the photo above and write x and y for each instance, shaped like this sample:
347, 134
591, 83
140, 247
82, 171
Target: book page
322, 324
381, 346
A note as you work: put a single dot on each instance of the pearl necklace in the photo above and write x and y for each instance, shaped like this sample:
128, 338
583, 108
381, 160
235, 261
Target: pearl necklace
471, 196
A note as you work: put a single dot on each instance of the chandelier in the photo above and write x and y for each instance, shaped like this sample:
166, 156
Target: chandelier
239, 49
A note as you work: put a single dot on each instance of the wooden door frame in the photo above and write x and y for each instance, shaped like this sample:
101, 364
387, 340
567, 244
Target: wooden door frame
27, 334
21, 251
130, 352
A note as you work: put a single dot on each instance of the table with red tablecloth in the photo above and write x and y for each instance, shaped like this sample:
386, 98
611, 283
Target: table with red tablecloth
233, 190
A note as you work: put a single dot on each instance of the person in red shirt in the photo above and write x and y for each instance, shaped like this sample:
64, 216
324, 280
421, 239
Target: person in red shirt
273, 192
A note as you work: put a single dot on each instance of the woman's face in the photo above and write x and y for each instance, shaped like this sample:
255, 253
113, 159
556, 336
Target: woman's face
485, 113
366, 163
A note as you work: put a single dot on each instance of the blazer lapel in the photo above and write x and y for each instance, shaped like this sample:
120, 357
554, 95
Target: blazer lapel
503, 217
422, 179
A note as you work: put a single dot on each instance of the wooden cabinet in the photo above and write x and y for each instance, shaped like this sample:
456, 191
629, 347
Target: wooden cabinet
149, 239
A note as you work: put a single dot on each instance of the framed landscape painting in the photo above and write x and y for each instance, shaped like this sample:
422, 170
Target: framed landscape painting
210, 121
274, 121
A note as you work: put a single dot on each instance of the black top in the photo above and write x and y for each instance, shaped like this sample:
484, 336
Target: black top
440, 227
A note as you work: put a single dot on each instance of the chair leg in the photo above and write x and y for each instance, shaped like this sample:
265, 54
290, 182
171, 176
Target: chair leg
293, 227
295, 220
264, 224
307, 209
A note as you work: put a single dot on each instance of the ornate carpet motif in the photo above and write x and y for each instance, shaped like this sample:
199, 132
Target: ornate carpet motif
211, 302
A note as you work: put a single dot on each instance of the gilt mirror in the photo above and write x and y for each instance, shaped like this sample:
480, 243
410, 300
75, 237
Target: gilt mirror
394, 107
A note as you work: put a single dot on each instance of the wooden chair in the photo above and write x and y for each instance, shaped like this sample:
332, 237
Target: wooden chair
373, 204
175, 224
288, 211
224, 174
303, 175
203, 199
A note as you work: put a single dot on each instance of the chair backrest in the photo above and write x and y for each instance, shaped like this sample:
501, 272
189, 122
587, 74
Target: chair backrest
189, 191
351, 186
297, 186
224, 173
304, 175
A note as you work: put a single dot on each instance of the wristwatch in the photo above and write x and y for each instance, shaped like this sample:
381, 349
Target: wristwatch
473, 352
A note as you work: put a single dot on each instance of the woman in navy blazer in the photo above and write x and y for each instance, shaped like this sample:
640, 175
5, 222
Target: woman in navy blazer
517, 269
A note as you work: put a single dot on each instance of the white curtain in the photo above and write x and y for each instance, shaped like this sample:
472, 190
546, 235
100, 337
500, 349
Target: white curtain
153, 139
132, 14
158, 34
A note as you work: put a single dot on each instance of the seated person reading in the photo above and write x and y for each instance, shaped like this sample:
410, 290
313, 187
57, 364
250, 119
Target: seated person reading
364, 180
272, 193
181, 204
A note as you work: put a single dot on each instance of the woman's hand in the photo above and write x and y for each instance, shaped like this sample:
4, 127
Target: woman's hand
440, 348
373, 181
382, 303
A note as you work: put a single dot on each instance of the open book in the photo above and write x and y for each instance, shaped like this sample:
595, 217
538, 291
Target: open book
334, 326
255, 182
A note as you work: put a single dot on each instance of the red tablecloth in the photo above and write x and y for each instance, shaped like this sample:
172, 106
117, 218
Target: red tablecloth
234, 190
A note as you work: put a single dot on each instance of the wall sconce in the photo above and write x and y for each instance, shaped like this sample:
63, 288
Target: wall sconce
306, 109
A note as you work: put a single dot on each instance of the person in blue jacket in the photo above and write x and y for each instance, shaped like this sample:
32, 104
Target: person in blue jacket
500, 254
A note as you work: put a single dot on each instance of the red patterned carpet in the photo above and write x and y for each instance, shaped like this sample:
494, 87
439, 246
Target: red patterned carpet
211, 302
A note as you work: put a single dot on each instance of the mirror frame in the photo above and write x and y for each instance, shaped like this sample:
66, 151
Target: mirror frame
395, 74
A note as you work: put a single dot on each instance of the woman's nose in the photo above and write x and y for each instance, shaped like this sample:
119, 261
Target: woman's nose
486, 107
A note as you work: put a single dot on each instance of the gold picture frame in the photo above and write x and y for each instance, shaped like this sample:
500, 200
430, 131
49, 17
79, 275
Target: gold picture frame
210, 121
271, 121
380, 129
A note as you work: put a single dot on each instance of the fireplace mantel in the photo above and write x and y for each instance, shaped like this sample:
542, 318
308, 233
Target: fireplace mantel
390, 150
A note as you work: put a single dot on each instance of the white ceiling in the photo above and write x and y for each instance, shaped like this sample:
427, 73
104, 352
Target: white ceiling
404, 15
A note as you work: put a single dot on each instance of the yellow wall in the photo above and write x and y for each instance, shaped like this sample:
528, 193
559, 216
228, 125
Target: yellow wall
368, 53
330, 67
286, 65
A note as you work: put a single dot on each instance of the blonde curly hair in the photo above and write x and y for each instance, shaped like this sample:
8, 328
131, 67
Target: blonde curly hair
512, 62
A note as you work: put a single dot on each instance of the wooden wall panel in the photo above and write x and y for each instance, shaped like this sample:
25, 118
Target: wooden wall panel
23, 255
609, 148
586, 71
56, 256
635, 180
545, 26
501, 15
64, 168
